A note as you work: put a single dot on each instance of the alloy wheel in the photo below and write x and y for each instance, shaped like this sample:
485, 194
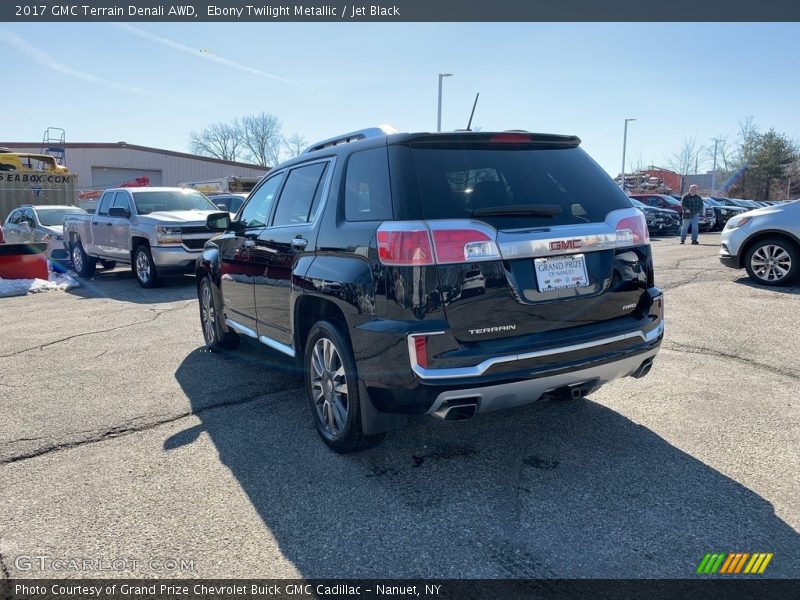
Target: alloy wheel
77, 258
329, 386
142, 266
208, 314
771, 262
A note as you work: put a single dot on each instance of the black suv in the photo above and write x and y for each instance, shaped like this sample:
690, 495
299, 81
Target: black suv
444, 274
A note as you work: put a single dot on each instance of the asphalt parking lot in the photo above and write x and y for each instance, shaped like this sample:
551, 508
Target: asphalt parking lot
122, 438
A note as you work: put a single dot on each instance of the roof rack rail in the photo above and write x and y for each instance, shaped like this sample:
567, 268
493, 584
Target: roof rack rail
353, 136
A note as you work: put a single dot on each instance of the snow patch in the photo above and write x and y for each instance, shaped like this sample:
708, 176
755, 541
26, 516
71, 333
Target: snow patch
21, 287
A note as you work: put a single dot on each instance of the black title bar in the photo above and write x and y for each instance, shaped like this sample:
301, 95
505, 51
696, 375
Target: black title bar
711, 588
400, 10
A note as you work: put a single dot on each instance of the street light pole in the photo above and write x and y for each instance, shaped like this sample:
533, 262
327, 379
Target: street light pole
439, 112
714, 169
624, 147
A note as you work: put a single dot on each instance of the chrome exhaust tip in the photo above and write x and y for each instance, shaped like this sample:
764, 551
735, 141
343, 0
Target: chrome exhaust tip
459, 409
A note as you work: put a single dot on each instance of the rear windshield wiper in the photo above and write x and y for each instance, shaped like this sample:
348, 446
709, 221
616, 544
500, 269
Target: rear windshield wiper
519, 210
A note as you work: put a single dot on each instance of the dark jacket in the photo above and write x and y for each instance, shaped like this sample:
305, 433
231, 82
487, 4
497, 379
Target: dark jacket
692, 204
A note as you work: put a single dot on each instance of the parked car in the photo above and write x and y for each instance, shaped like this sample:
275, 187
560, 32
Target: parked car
722, 211
157, 230
41, 223
660, 201
659, 220
230, 202
765, 242
348, 259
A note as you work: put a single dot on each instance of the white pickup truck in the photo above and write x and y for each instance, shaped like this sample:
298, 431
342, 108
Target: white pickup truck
157, 230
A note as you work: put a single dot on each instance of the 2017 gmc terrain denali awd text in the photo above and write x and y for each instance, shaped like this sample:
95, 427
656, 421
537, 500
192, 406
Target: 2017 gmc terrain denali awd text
444, 274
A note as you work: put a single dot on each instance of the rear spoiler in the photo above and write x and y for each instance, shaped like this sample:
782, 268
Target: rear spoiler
512, 138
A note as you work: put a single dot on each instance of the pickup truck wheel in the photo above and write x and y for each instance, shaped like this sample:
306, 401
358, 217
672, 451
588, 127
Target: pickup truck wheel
214, 333
144, 268
84, 265
332, 390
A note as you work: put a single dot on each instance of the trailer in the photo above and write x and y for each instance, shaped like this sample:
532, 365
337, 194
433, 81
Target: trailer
223, 185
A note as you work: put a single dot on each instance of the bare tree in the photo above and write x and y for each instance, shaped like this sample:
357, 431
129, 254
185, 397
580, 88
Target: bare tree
685, 159
261, 137
220, 140
295, 144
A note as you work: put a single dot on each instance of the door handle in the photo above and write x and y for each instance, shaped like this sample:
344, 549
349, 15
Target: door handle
109, 223
299, 243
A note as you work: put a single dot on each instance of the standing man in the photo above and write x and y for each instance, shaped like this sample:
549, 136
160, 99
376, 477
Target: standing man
692, 208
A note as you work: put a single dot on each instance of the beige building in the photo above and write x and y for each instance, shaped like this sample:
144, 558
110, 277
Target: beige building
103, 165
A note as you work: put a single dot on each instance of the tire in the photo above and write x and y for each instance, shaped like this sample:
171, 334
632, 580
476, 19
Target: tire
144, 269
214, 332
85, 265
773, 261
331, 380
108, 264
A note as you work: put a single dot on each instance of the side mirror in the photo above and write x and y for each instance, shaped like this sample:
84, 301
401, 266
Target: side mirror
118, 211
25, 225
220, 221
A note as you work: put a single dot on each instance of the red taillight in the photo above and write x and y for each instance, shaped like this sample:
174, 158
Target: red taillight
632, 231
421, 351
461, 245
404, 246
511, 138
418, 243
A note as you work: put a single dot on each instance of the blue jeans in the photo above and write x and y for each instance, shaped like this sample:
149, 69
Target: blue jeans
695, 221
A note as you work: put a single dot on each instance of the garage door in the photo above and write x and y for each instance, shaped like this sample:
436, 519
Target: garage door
106, 177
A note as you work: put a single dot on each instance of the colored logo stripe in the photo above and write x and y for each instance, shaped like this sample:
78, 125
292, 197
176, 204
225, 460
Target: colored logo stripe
734, 563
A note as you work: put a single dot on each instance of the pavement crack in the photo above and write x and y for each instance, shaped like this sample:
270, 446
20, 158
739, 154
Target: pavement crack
128, 429
678, 347
4, 569
83, 334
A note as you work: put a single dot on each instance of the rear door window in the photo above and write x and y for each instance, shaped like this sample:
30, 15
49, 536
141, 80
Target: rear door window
105, 203
563, 182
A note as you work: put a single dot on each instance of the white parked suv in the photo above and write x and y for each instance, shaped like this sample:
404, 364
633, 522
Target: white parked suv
766, 242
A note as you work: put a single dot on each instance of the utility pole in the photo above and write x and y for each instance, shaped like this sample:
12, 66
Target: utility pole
439, 112
714, 168
624, 147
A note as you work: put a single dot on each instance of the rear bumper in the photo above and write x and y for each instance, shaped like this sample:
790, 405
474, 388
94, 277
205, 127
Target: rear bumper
519, 393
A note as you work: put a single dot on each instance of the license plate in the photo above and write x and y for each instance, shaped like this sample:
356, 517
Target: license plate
561, 272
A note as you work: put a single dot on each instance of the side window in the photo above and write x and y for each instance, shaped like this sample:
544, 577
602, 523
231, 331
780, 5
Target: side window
121, 200
105, 203
256, 211
14, 218
367, 195
302, 191
27, 216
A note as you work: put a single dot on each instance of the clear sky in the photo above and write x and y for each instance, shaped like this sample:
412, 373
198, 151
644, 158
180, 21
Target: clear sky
153, 83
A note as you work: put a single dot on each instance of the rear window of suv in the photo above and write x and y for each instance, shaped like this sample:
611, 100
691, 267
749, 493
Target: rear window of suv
454, 182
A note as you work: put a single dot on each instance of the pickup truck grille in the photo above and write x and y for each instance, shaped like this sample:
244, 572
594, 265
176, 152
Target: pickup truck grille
194, 244
195, 229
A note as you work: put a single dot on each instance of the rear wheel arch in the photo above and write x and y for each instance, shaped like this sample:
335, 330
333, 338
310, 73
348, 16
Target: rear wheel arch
309, 310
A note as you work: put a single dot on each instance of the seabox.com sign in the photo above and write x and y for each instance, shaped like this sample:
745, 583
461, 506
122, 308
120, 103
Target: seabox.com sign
34, 178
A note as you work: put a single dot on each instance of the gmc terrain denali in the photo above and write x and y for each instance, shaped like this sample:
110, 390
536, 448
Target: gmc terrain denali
445, 274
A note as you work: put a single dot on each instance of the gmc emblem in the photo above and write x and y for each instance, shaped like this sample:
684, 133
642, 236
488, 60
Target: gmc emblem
565, 245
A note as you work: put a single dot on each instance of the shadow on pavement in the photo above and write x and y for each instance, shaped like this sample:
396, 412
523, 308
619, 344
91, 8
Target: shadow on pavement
569, 489
790, 289
120, 284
